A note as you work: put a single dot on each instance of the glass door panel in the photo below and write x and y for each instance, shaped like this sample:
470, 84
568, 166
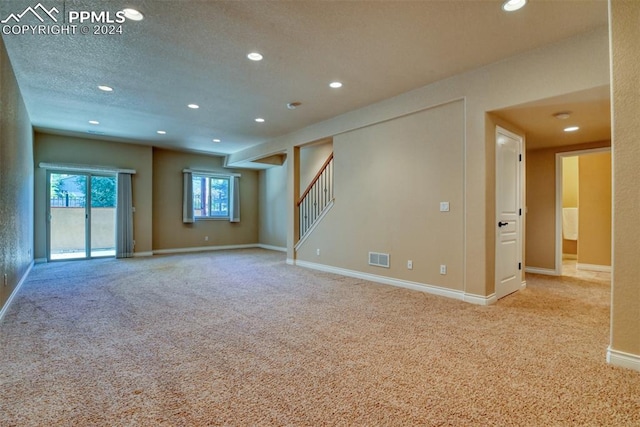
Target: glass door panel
67, 216
103, 216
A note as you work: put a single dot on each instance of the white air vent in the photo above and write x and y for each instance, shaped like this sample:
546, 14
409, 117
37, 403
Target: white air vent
378, 259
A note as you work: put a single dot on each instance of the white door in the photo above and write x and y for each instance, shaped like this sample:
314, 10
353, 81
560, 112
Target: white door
508, 222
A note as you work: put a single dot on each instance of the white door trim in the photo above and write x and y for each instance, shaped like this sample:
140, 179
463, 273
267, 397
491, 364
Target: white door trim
559, 157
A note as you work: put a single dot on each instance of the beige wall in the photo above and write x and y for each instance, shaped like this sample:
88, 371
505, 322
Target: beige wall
594, 242
16, 182
579, 63
389, 196
169, 232
570, 197
541, 204
272, 202
625, 309
312, 157
570, 182
85, 151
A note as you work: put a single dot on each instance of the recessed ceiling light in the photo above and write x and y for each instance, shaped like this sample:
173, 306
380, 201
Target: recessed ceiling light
133, 14
513, 5
105, 88
216, 140
254, 56
94, 122
571, 129
161, 132
193, 106
260, 120
335, 85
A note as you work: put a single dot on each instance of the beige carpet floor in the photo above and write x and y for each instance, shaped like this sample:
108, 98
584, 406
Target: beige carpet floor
239, 338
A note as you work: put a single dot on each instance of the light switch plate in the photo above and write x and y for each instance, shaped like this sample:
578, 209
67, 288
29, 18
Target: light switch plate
444, 206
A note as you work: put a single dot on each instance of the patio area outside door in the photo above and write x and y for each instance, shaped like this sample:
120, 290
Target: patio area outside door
81, 212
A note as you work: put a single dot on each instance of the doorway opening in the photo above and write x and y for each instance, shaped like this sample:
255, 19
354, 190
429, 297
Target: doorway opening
583, 214
81, 210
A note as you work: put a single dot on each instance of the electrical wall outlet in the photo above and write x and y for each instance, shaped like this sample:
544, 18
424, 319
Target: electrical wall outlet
443, 269
206, 238
318, 252
444, 206
410, 265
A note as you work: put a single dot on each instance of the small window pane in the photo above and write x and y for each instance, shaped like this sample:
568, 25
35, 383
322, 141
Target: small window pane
219, 197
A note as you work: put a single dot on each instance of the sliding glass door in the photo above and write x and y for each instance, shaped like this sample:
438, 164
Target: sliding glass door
103, 216
81, 210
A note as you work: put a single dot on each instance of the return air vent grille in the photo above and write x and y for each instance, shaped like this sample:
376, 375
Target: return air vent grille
378, 259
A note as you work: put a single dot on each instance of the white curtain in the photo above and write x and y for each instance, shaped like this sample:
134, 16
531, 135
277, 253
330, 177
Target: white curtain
124, 217
187, 198
234, 190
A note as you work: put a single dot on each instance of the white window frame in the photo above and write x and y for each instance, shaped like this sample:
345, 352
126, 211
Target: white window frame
233, 196
208, 201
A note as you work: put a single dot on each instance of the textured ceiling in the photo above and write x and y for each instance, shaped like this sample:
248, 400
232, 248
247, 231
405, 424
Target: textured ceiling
195, 52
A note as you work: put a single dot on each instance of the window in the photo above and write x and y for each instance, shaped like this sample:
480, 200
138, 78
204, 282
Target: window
211, 196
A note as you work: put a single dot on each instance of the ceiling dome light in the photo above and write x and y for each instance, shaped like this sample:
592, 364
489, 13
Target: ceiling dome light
216, 140
94, 122
133, 14
161, 132
254, 56
193, 106
571, 129
563, 115
260, 120
335, 85
513, 5
105, 88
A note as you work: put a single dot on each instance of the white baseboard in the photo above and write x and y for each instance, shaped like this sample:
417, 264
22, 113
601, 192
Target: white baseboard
623, 360
209, 248
479, 299
141, 254
9, 300
422, 287
291, 261
203, 249
536, 270
594, 267
271, 248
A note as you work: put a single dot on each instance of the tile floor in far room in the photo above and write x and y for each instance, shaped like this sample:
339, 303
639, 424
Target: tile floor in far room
569, 269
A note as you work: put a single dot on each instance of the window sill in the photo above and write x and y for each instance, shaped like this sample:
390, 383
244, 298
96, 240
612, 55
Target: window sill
211, 218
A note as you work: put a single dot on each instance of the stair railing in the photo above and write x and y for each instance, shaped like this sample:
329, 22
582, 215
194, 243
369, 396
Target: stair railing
317, 197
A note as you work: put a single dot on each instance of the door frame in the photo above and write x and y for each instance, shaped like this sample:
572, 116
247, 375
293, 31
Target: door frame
87, 213
88, 174
559, 170
521, 194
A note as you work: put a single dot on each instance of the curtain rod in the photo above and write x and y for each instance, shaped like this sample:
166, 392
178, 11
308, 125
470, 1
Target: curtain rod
206, 172
84, 168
